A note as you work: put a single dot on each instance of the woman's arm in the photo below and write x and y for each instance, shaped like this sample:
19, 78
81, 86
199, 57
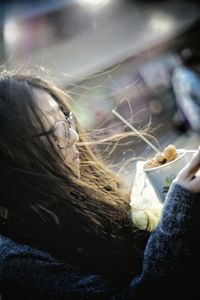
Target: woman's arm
171, 259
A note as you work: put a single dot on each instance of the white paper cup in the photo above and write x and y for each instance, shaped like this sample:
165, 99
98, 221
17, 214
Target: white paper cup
161, 177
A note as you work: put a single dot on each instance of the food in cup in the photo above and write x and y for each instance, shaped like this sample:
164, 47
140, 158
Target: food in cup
163, 169
169, 154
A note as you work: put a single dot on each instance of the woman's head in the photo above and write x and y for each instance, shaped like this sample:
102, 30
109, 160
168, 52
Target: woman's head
37, 137
53, 181
33, 115
40, 153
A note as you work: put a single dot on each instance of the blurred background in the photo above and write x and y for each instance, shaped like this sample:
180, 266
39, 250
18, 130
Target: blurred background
109, 54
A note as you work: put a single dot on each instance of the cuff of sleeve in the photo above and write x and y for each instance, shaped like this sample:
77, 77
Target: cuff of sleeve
180, 195
180, 208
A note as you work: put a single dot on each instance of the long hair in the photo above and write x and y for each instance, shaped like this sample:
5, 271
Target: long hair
84, 220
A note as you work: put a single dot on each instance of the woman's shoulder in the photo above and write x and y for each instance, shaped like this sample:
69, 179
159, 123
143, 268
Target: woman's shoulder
32, 271
14, 253
10, 248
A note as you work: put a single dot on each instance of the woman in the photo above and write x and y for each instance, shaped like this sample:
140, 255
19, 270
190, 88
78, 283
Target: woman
66, 223
57, 194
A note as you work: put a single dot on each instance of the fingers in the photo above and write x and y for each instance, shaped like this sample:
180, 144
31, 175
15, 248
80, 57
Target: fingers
186, 176
192, 167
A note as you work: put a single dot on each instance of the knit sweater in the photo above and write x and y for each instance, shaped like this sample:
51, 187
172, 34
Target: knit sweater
169, 258
29, 273
171, 264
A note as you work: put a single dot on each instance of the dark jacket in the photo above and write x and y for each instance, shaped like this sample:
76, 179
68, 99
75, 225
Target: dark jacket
170, 263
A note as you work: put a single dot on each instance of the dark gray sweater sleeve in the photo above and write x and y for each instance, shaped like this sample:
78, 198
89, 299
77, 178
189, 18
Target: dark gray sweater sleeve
171, 258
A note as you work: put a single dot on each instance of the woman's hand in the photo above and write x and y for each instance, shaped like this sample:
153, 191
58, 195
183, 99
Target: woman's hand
187, 177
